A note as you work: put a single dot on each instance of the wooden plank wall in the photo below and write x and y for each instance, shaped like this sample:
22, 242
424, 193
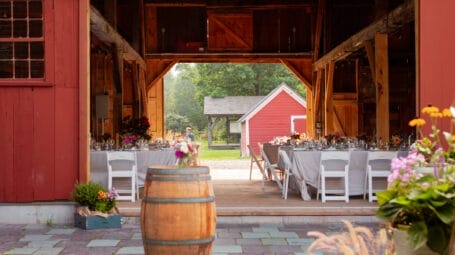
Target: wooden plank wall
39, 124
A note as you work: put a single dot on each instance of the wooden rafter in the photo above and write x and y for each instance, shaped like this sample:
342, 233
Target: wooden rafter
317, 37
106, 33
157, 69
392, 21
298, 68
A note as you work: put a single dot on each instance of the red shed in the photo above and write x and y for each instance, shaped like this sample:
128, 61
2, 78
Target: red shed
275, 115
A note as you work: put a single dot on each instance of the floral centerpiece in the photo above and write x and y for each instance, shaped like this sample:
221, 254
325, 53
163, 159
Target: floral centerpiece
134, 130
423, 203
183, 153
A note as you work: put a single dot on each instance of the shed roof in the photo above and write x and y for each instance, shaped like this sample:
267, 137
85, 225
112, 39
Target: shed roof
230, 105
268, 98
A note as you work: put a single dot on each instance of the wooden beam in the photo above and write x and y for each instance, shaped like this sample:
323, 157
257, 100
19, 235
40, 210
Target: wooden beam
317, 37
382, 88
298, 67
317, 95
394, 20
328, 101
106, 33
230, 57
257, 4
370, 54
157, 69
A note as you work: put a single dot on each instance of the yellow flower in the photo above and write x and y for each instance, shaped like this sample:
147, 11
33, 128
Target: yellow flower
418, 122
430, 109
446, 113
436, 115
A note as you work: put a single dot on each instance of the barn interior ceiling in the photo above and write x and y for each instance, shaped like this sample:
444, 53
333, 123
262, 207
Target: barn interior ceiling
308, 36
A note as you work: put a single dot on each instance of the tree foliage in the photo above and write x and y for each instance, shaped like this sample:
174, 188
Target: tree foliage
188, 84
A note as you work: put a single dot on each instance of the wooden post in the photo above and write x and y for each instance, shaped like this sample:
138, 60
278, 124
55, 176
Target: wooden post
382, 87
328, 102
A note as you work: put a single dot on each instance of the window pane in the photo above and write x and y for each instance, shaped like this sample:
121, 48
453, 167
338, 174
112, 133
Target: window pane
5, 10
37, 50
6, 69
6, 50
36, 28
37, 69
5, 28
19, 9
20, 28
21, 69
35, 9
21, 50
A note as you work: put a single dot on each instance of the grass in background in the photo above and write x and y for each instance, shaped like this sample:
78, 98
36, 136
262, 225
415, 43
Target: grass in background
208, 154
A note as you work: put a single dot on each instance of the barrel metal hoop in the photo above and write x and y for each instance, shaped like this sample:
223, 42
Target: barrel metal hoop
179, 178
157, 200
191, 171
178, 242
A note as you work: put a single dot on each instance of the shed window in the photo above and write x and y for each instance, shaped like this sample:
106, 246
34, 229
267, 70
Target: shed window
21, 39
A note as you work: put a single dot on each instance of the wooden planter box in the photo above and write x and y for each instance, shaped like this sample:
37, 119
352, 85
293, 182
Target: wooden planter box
97, 222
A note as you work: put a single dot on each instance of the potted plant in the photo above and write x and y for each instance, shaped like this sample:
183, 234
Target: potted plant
423, 204
97, 206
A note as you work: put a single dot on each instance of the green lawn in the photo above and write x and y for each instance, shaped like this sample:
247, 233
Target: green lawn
209, 154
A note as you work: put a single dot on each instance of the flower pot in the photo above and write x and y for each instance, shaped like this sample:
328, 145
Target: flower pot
97, 221
178, 211
403, 247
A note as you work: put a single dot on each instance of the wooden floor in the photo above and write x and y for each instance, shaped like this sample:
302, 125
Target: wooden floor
241, 197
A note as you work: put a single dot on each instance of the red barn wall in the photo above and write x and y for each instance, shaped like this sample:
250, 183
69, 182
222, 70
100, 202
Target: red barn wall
437, 54
39, 120
273, 120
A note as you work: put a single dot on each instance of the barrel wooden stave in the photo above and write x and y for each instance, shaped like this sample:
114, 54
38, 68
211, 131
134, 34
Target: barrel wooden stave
178, 216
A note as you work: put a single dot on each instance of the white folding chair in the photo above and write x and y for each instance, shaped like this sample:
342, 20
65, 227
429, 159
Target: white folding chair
378, 166
255, 159
123, 164
334, 165
271, 167
287, 171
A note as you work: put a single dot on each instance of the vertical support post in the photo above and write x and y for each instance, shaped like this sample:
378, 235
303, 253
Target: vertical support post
328, 102
382, 87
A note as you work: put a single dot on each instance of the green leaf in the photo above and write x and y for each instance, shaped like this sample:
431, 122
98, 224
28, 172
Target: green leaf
445, 213
388, 211
437, 238
385, 196
418, 233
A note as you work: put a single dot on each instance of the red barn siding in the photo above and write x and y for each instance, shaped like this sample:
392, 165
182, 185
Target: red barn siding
274, 119
437, 83
39, 120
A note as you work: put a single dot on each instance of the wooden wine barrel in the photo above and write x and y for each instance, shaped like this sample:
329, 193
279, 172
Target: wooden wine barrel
178, 211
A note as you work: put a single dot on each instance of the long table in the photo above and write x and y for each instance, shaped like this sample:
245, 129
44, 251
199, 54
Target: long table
98, 163
306, 165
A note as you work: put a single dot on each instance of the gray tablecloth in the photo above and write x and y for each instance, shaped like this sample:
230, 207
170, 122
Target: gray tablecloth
305, 164
98, 163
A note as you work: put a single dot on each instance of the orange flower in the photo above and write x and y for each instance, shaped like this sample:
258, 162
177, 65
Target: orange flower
417, 122
430, 109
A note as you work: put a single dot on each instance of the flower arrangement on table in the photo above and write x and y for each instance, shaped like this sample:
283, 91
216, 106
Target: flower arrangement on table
183, 153
134, 130
94, 199
424, 203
